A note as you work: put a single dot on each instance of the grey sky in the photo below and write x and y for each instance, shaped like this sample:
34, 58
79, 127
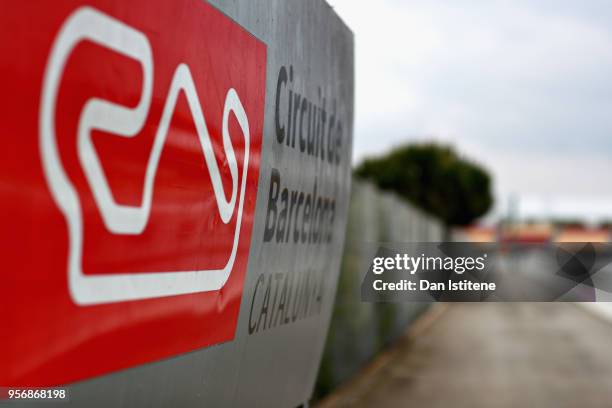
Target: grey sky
520, 86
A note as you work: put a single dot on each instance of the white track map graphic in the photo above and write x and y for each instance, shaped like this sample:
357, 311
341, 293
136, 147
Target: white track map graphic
89, 24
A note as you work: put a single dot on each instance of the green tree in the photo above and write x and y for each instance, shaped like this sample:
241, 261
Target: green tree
434, 178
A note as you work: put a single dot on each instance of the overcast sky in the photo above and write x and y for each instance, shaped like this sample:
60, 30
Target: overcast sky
523, 87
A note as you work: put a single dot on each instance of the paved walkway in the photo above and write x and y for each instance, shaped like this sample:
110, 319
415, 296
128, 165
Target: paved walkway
493, 355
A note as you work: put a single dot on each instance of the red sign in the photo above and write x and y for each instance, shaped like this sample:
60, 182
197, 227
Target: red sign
128, 179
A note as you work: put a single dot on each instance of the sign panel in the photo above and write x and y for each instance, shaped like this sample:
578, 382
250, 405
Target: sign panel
131, 182
174, 198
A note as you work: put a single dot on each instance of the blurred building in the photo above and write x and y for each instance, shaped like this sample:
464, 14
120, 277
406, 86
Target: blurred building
532, 233
581, 234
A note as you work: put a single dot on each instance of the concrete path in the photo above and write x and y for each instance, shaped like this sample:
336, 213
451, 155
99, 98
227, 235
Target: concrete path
493, 355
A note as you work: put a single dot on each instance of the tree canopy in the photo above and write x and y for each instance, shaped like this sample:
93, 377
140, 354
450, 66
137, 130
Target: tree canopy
434, 178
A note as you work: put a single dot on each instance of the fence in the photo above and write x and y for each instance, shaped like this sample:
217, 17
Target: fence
359, 330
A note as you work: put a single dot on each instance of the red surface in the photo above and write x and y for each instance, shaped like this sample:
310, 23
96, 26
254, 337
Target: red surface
45, 338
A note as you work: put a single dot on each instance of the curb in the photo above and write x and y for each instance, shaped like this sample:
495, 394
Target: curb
361, 382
